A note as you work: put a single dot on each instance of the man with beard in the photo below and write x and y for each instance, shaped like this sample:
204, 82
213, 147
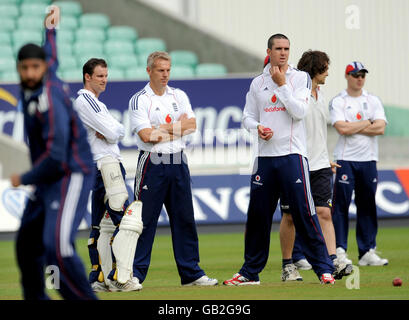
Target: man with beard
62, 174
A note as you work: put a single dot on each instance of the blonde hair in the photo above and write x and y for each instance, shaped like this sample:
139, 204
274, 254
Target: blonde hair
157, 55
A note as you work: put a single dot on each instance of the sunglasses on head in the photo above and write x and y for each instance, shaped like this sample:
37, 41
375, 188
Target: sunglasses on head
358, 74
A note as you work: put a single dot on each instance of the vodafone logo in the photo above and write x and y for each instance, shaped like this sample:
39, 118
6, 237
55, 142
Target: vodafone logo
274, 99
274, 109
359, 115
169, 118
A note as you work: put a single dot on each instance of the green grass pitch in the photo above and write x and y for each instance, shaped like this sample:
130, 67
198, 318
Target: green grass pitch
222, 256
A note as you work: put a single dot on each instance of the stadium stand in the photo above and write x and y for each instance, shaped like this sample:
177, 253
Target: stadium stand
83, 35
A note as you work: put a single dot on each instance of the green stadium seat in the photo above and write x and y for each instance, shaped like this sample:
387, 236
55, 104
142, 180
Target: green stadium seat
65, 36
64, 48
68, 22
7, 24
6, 50
92, 34
136, 73
117, 46
122, 33
9, 76
33, 9
5, 38
37, 1
184, 58
85, 47
210, 70
116, 74
7, 64
21, 37
71, 75
9, 11
181, 72
94, 20
67, 62
149, 45
85, 57
29, 22
123, 61
69, 8
15, 2
143, 59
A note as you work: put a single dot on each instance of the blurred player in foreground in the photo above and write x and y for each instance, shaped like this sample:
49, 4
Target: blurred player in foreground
276, 105
62, 174
109, 194
161, 116
359, 118
316, 64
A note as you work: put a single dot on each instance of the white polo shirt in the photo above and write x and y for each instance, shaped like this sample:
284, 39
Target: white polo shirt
282, 109
147, 110
96, 118
316, 127
356, 147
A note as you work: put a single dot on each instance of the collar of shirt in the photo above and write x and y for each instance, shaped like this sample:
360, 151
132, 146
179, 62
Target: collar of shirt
345, 93
150, 92
82, 91
267, 73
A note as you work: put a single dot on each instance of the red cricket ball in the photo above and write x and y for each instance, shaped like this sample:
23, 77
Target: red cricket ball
397, 282
267, 130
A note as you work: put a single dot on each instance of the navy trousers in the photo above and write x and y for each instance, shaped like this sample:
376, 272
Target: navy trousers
98, 209
46, 238
164, 179
363, 178
284, 177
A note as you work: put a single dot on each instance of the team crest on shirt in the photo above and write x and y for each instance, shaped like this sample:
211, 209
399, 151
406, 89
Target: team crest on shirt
169, 118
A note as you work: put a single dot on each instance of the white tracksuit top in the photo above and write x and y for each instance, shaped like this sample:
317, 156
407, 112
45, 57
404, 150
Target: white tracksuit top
356, 147
147, 110
282, 109
96, 118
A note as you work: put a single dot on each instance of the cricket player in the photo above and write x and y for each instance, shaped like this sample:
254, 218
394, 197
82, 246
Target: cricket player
62, 174
160, 116
316, 64
359, 118
109, 194
276, 105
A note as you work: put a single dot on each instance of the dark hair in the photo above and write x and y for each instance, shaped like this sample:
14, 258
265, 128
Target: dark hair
30, 50
273, 37
90, 65
313, 62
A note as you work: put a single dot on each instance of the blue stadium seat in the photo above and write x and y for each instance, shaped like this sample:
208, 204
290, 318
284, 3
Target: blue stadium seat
85, 47
65, 36
72, 75
33, 9
67, 62
7, 64
29, 22
6, 50
68, 22
118, 46
116, 74
9, 11
5, 38
10, 76
7, 24
123, 61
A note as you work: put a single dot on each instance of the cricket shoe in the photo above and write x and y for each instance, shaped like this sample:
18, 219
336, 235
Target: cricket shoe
372, 259
341, 269
303, 264
290, 273
203, 281
99, 287
327, 278
239, 280
131, 285
342, 256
